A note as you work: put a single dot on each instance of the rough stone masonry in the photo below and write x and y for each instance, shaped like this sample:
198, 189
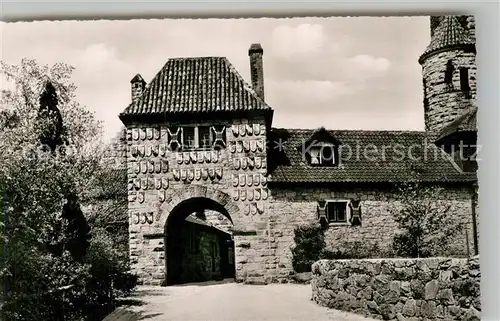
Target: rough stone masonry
400, 289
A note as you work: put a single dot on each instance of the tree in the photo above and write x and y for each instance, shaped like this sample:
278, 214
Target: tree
49, 114
48, 265
425, 226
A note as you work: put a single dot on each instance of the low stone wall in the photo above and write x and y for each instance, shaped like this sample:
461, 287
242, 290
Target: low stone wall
400, 289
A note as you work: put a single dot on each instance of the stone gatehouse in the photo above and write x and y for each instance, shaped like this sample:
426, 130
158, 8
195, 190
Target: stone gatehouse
199, 139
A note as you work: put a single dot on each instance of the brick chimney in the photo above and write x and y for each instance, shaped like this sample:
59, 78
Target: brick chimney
256, 69
138, 85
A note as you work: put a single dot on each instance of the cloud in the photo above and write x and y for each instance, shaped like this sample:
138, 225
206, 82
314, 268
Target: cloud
97, 56
369, 63
302, 40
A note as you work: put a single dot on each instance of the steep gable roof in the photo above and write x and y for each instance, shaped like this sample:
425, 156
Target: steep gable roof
195, 85
376, 165
321, 135
448, 34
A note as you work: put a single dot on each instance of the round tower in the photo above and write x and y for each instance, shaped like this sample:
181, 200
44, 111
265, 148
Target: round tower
449, 70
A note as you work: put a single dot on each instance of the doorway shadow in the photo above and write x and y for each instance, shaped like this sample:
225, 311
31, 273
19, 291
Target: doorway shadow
205, 283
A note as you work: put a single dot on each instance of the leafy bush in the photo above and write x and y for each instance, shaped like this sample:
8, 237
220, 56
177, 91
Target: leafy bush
425, 227
309, 244
353, 250
109, 276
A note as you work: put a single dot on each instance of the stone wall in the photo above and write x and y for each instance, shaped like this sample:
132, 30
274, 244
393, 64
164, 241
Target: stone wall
219, 221
400, 289
291, 207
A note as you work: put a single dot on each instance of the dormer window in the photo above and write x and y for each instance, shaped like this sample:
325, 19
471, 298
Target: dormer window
321, 149
322, 155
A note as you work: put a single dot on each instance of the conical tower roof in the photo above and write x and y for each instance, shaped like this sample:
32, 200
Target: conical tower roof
448, 34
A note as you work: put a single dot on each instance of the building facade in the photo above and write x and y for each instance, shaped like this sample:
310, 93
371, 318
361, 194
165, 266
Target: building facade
199, 139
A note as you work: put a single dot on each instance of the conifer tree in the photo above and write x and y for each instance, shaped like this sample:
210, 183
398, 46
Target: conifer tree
52, 131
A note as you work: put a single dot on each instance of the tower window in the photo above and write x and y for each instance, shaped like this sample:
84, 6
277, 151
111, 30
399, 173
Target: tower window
464, 80
448, 74
426, 100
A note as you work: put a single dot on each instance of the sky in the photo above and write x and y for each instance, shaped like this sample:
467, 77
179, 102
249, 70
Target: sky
338, 72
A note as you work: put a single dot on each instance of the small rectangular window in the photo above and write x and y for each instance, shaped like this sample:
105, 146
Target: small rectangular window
322, 155
464, 79
189, 141
204, 137
337, 211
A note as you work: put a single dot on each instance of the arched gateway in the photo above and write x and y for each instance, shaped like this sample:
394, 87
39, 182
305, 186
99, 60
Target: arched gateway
197, 248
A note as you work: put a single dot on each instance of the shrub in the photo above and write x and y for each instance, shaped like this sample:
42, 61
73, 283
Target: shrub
309, 244
354, 250
425, 226
109, 276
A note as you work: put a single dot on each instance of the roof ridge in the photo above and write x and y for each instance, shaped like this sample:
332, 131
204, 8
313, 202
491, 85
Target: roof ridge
195, 57
350, 130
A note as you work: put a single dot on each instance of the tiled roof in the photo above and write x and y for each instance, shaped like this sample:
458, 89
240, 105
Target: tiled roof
288, 165
449, 33
465, 122
204, 84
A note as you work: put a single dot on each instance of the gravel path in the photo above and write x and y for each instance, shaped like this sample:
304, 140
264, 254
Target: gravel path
231, 302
